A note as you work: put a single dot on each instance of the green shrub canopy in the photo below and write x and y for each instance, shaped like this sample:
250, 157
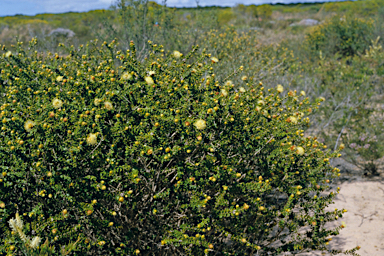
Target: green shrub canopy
157, 157
346, 36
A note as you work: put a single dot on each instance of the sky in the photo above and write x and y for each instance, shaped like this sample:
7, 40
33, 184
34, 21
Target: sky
33, 7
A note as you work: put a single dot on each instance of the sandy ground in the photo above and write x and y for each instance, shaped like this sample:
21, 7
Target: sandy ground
364, 220
363, 197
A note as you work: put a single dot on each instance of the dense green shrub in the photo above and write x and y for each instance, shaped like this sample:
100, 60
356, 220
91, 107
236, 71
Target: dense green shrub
156, 157
346, 36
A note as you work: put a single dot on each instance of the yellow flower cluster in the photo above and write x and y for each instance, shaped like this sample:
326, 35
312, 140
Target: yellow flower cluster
57, 103
200, 124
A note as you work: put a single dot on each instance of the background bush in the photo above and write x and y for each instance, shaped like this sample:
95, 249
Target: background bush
346, 36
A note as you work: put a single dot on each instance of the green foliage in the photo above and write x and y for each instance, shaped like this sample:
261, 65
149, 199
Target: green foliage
140, 21
364, 8
160, 156
224, 16
262, 11
346, 36
353, 92
33, 246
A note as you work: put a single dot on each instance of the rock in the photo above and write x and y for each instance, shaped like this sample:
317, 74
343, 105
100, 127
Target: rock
62, 32
255, 28
306, 22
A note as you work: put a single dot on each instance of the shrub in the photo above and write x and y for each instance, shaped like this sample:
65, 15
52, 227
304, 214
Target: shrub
157, 157
352, 114
224, 16
263, 11
344, 35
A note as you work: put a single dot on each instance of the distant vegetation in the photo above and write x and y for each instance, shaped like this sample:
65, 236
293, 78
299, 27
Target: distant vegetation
86, 24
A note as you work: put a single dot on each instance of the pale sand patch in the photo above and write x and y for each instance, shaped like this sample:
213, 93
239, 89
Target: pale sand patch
364, 220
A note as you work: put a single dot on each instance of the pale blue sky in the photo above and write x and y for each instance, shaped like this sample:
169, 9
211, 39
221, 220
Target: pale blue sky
32, 7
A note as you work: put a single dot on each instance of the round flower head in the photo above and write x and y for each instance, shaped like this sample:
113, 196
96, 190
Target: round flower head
279, 88
322, 99
97, 101
260, 102
57, 103
302, 93
8, 54
244, 78
300, 151
214, 60
151, 73
149, 80
228, 83
293, 119
108, 105
29, 125
241, 89
59, 78
177, 54
92, 139
200, 124
258, 108
126, 76
224, 92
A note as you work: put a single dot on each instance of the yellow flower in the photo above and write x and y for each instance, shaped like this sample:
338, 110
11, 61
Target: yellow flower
97, 101
322, 99
228, 83
300, 151
108, 105
214, 60
149, 80
200, 124
241, 89
177, 54
59, 78
126, 76
8, 54
302, 93
29, 125
244, 78
293, 119
35, 242
224, 92
151, 73
92, 139
57, 103
279, 88
260, 102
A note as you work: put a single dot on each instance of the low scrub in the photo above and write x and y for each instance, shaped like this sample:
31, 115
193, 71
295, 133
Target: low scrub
112, 156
